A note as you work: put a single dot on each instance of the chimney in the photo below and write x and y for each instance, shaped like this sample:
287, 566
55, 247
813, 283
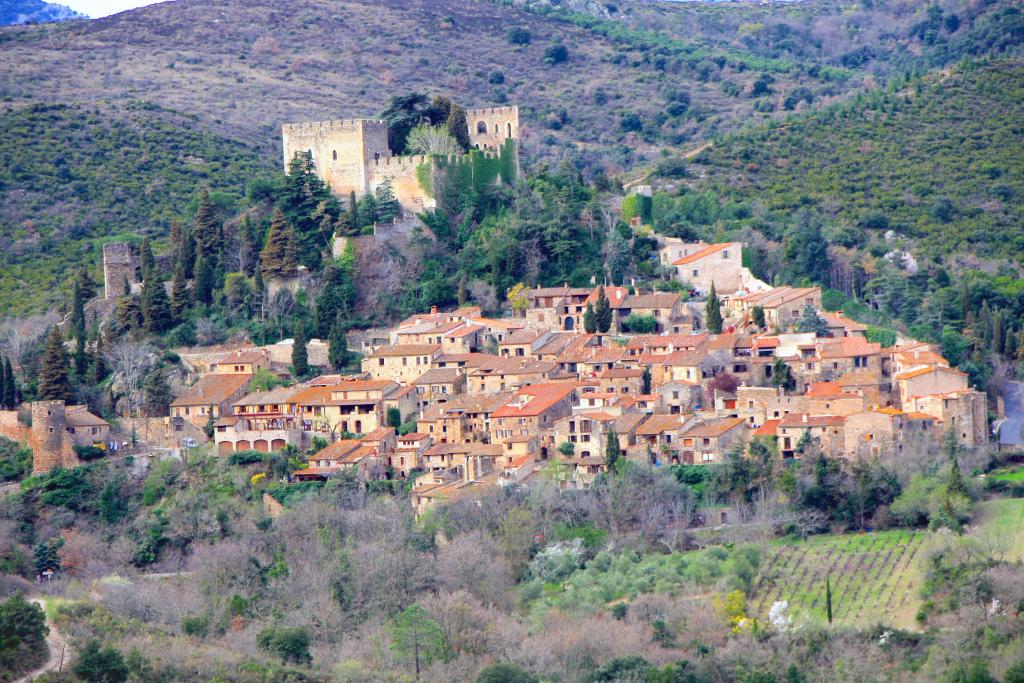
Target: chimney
804, 416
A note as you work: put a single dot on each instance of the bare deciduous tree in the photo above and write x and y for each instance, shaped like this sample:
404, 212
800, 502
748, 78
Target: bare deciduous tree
130, 360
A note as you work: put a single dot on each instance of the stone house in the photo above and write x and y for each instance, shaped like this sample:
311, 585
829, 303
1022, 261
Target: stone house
622, 381
782, 306
462, 420
508, 373
709, 441
408, 454
965, 411
828, 398
665, 307
757, 405
873, 432
827, 431
532, 410
718, 264
438, 385
400, 363
679, 396
213, 395
262, 421
927, 380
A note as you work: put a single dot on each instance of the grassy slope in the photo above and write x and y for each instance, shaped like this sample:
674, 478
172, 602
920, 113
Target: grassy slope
71, 178
957, 137
1004, 518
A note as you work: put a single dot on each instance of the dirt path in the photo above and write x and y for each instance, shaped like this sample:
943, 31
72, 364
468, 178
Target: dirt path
60, 651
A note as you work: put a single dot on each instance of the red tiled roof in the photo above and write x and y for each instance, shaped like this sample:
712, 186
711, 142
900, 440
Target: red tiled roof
703, 253
807, 421
541, 398
212, 390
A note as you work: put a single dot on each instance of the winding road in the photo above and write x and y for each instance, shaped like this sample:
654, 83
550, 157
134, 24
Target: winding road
60, 650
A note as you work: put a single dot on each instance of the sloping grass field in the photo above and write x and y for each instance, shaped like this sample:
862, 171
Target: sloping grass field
874, 578
1004, 518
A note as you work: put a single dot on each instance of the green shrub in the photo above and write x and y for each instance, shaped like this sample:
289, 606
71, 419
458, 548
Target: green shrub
291, 644
197, 627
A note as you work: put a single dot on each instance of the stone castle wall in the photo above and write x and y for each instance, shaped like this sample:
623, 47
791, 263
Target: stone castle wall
352, 155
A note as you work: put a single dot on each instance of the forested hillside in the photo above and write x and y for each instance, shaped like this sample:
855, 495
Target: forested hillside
72, 177
938, 158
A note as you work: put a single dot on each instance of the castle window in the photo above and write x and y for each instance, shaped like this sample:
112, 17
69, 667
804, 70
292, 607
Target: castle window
509, 126
334, 155
495, 129
481, 127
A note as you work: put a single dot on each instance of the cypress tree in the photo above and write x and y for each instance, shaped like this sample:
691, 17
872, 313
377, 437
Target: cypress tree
353, 211
457, 126
589, 320
713, 311
757, 315
337, 353
250, 246
646, 379
53, 369
828, 598
3, 383
603, 312
78, 327
387, 206
128, 314
279, 257
97, 367
300, 357
205, 280
208, 229
156, 399
10, 398
85, 282
147, 262
156, 309
181, 298
187, 254
335, 299
612, 451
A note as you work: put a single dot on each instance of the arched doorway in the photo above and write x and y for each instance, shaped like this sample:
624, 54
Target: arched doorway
261, 445
481, 127
569, 322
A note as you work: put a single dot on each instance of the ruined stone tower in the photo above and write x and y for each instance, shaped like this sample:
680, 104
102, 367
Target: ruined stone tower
120, 263
49, 439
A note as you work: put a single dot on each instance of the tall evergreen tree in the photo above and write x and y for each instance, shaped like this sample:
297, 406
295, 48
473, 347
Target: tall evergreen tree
97, 365
3, 383
54, 384
10, 398
187, 253
457, 126
86, 283
78, 327
156, 394
304, 198
147, 262
335, 300
156, 309
589, 320
208, 231
206, 278
300, 356
603, 312
757, 316
337, 352
387, 206
278, 258
612, 450
828, 598
645, 379
250, 245
181, 297
713, 311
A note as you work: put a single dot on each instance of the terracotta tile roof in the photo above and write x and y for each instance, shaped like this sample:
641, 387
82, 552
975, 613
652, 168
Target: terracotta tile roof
523, 336
253, 355
919, 416
628, 422
598, 416
767, 429
703, 253
714, 428
413, 436
615, 296
491, 450
661, 341
859, 378
212, 390
837, 318
778, 296
825, 390
337, 450
911, 374
795, 421
278, 396
378, 434
500, 324
545, 292
438, 376
468, 360
535, 399
686, 359
889, 411
405, 350
654, 300
79, 416
656, 424
847, 347
308, 396
621, 373
925, 357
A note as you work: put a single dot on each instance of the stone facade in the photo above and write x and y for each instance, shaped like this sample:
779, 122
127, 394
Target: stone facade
353, 155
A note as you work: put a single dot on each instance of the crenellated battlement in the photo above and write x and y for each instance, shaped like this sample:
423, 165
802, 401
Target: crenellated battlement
493, 111
339, 125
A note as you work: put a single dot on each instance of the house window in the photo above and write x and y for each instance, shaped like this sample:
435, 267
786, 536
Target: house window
380, 362
725, 254
696, 273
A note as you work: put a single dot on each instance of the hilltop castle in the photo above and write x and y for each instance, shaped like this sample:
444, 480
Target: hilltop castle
352, 155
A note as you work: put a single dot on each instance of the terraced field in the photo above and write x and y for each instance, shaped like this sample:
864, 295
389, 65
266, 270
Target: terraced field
874, 578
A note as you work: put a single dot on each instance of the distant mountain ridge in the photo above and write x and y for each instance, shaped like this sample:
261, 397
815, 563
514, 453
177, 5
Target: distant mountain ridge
16, 12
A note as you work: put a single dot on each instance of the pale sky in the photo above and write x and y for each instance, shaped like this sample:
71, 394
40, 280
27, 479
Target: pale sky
102, 8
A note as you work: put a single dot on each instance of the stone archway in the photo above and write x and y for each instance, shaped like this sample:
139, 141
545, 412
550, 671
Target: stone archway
261, 445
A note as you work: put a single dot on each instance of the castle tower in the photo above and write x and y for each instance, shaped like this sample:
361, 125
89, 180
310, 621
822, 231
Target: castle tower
49, 440
491, 126
342, 151
120, 263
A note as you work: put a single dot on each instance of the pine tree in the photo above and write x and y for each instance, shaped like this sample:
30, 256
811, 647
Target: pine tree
457, 126
156, 309
612, 451
279, 257
181, 297
187, 254
300, 357
156, 394
387, 206
147, 262
603, 312
53, 369
85, 282
589, 320
205, 281
335, 299
128, 314
337, 353
10, 398
208, 229
713, 311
